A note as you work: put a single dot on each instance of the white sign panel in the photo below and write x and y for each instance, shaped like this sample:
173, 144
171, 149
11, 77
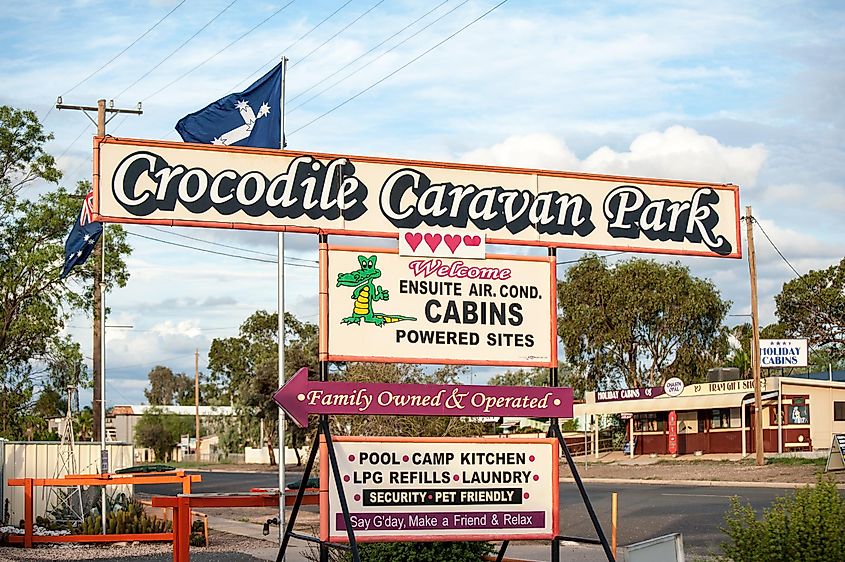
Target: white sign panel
158, 182
385, 307
442, 489
783, 353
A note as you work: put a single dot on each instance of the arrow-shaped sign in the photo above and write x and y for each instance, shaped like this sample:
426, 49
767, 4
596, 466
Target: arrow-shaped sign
300, 397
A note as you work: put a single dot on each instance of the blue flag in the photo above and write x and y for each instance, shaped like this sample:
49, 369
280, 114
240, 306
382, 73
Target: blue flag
83, 236
248, 118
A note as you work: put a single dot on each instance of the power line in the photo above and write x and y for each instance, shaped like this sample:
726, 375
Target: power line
370, 51
760, 226
185, 74
241, 248
218, 253
174, 51
144, 34
560, 263
407, 64
347, 26
286, 49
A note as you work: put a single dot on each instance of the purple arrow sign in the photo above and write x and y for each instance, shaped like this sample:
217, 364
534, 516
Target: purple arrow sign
300, 397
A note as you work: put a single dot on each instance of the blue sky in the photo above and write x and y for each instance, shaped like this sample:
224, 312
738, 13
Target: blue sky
741, 92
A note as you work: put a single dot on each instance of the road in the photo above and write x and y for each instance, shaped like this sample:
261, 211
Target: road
645, 510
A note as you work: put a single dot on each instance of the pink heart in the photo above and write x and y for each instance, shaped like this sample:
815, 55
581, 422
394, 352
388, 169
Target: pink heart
413, 239
453, 241
472, 240
433, 240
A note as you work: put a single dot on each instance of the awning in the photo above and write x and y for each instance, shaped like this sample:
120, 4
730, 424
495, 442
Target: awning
664, 404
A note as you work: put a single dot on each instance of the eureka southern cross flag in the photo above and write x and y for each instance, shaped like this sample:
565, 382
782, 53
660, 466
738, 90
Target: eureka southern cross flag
83, 236
247, 118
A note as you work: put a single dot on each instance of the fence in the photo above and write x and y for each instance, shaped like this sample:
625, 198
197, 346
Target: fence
40, 459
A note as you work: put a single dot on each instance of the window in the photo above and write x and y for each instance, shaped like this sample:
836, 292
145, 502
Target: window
839, 411
798, 414
721, 418
650, 422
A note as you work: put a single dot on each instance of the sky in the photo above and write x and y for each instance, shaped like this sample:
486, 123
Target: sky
740, 92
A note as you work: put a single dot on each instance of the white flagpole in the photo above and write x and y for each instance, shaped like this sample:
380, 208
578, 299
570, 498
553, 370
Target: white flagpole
280, 292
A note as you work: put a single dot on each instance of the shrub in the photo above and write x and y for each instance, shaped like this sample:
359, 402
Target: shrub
422, 552
807, 525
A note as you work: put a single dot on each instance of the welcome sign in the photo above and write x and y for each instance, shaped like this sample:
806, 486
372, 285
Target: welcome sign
380, 306
442, 489
181, 184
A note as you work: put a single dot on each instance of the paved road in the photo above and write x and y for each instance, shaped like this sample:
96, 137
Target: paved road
645, 510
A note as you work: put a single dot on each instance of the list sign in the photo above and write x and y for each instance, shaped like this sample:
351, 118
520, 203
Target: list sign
442, 489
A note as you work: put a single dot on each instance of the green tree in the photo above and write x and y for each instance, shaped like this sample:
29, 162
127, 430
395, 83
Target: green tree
167, 388
521, 377
243, 372
161, 432
639, 323
403, 426
34, 302
813, 306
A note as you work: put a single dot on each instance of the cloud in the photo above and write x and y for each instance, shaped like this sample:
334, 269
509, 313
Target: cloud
536, 150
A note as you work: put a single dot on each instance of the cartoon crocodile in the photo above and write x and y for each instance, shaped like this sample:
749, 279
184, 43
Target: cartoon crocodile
366, 293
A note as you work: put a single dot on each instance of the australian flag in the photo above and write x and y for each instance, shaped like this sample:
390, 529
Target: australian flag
83, 236
248, 118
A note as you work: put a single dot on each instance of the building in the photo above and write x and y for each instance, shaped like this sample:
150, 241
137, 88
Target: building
799, 414
123, 419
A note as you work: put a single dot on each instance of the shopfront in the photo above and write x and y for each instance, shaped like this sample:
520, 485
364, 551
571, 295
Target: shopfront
718, 417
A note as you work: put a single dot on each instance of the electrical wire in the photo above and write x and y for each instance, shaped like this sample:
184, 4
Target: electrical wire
185, 74
174, 51
124, 50
406, 65
286, 49
347, 26
218, 253
760, 226
356, 71
239, 248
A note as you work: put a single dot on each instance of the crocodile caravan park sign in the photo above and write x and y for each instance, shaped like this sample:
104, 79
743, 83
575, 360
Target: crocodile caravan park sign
379, 306
431, 489
182, 184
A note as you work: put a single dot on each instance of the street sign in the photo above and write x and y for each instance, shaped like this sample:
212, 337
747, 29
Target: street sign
300, 397
836, 456
104, 461
434, 489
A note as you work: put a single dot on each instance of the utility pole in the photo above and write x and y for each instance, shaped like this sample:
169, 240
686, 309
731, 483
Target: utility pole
755, 340
97, 359
197, 403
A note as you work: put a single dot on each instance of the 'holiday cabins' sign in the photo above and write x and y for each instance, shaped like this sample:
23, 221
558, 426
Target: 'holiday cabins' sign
436, 489
384, 307
783, 353
182, 184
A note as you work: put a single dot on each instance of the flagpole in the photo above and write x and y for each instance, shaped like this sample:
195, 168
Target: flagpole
280, 291
103, 452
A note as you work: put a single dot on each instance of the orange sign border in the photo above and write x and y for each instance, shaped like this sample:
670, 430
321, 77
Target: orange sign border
325, 329
325, 534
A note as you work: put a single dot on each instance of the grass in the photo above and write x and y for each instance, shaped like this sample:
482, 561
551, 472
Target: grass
795, 461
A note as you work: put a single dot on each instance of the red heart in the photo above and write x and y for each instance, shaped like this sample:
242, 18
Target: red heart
433, 240
413, 239
472, 240
453, 241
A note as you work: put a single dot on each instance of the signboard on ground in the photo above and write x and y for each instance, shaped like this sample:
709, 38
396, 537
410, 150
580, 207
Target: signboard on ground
673, 433
384, 307
300, 397
441, 489
783, 353
836, 456
183, 184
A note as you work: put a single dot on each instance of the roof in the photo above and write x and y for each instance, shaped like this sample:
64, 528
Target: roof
138, 410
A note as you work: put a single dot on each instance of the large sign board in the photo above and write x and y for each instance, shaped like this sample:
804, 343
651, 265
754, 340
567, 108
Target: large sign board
783, 353
836, 455
441, 489
183, 184
380, 306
